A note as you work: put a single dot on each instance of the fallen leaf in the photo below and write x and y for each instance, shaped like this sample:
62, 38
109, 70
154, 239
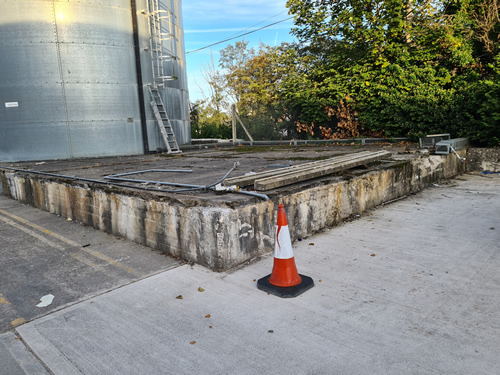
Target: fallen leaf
18, 321
372, 255
207, 316
178, 297
321, 281
200, 289
254, 280
311, 244
193, 342
209, 326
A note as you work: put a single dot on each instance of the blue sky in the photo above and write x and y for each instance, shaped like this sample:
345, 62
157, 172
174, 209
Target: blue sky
210, 21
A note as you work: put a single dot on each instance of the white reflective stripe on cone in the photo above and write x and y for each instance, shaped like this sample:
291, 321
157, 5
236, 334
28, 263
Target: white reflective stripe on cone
283, 245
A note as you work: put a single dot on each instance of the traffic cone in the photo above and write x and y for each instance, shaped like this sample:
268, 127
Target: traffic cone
284, 281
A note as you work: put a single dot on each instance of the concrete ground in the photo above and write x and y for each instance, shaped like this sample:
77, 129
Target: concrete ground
45, 254
409, 288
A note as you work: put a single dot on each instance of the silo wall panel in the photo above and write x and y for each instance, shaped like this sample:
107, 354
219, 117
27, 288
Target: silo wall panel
98, 64
36, 128
106, 23
34, 141
27, 21
70, 66
99, 137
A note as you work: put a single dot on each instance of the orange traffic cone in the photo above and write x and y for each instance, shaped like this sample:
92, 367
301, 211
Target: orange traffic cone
284, 281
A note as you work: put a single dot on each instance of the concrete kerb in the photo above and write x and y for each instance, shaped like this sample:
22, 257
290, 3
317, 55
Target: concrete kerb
222, 236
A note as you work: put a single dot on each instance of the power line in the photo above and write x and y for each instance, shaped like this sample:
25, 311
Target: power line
257, 24
239, 36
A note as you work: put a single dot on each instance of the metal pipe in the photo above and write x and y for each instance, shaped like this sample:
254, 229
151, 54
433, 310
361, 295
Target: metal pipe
191, 187
458, 156
236, 165
254, 194
154, 182
82, 179
152, 170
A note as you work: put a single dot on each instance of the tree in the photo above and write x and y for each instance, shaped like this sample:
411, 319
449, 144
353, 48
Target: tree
404, 66
252, 77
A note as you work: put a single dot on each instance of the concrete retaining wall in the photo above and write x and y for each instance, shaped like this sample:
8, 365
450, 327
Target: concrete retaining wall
221, 236
483, 159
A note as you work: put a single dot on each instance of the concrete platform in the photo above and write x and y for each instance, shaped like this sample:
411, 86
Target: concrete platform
220, 231
409, 288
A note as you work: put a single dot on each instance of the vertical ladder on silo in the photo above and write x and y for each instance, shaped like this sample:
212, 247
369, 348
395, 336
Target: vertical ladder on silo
163, 121
160, 33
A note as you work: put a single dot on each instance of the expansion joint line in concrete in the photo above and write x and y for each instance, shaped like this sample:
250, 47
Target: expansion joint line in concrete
23, 224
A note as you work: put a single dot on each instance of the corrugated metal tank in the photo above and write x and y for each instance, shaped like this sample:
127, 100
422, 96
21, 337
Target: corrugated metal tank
69, 83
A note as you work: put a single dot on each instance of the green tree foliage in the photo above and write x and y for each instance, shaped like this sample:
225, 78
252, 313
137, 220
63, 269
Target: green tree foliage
209, 122
250, 79
406, 67
366, 68
255, 81
209, 117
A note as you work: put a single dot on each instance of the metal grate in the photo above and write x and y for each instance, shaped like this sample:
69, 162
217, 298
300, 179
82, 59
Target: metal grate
430, 140
447, 146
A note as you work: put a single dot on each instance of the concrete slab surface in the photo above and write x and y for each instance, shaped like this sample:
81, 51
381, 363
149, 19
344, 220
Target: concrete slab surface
409, 288
42, 254
208, 165
16, 359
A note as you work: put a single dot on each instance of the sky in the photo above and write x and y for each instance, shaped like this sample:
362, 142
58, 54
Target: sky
210, 21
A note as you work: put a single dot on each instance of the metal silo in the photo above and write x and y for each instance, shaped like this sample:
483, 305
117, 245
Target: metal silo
74, 79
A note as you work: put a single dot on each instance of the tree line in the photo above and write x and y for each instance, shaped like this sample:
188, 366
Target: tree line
364, 68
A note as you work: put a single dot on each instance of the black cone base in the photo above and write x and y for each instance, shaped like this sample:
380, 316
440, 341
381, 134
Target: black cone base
288, 292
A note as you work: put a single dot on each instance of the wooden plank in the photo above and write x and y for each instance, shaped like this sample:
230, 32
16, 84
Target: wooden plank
250, 179
274, 182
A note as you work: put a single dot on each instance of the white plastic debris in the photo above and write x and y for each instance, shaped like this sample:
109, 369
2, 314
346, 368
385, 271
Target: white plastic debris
45, 300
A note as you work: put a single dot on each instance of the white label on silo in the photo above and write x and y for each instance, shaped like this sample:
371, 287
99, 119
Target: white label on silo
11, 104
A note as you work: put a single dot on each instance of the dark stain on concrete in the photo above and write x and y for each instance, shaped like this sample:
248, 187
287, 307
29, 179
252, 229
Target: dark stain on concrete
161, 238
248, 238
28, 193
107, 215
141, 221
90, 208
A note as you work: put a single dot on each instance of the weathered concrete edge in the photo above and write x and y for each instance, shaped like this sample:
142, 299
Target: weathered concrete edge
483, 159
221, 237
